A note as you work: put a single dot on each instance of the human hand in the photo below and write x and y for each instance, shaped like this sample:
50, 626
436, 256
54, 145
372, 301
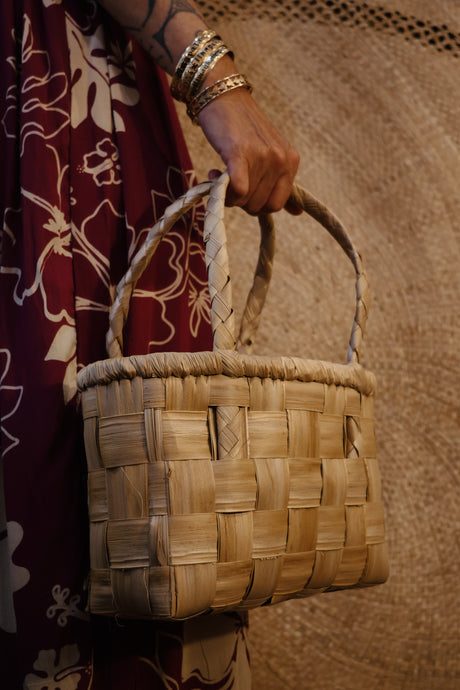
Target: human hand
262, 165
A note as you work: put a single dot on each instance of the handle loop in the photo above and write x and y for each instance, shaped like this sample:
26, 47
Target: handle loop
335, 228
222, 315
120, 307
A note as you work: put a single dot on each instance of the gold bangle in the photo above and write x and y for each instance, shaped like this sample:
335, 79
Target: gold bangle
201, 39
234, 81
206, 66
194, 65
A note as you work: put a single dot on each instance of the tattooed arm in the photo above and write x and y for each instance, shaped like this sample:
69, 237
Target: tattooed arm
261, 163
163, 27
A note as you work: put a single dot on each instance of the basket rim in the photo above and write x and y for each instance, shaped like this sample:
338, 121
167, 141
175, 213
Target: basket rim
228, 363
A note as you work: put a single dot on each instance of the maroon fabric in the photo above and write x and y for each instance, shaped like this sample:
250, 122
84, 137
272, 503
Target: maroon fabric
91, 154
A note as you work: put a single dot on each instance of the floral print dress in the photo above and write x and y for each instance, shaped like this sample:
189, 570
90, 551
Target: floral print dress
91, 154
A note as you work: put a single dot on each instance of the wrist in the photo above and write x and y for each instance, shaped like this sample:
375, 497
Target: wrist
205, 71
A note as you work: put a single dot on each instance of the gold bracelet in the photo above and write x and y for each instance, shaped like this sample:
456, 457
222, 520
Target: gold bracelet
206, 66
234, 81
194, 65
201, 39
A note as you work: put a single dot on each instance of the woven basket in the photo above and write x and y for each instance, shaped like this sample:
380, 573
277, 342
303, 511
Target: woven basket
219, 480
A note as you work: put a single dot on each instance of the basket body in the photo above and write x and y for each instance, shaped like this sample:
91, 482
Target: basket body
221, 481
228, 483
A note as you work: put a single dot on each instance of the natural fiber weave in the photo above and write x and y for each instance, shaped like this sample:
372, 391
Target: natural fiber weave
225, 481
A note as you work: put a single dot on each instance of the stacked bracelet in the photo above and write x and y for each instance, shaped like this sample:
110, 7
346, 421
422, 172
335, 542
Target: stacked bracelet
200, 40
234, 81
181, 90
198, 59
205, 67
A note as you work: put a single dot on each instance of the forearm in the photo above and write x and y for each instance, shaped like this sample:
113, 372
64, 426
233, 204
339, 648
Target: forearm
262, 164
163, 27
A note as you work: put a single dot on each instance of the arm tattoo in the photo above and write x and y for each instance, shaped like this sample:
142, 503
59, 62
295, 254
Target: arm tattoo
176, 7
150, 10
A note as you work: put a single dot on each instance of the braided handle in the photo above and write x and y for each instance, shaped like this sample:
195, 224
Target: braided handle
252, 313
120, 308
217, 264
222, 316
333, 225
222, 320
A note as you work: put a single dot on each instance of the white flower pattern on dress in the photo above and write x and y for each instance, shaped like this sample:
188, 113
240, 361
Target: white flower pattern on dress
67, 606
96, 260
182, 249
91, 68
122, 60
64, 349
34, 95
53, 222
11, 395
103, 163
17, 575
58, 674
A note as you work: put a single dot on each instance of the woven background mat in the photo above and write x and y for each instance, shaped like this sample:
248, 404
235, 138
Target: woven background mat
369, 93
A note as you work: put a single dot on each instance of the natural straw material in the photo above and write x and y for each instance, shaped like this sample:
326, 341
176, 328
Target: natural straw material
221, 480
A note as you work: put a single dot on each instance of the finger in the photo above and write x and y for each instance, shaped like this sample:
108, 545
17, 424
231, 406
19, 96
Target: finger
279, 195
275, 185
272, 195
281, 191
292, 208
258, 199
252, 184
239, 190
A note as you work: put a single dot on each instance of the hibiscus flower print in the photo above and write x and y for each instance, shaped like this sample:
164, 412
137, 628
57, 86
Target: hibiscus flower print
42, 114
93, 70
56, 672
11, 399
103, 163
53, 239
178, 249
57, 230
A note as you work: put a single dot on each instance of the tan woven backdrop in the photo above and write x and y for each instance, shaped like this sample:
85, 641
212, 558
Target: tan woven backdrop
369, 93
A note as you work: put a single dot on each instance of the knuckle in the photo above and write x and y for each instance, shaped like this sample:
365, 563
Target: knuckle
278, 156
285, 159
